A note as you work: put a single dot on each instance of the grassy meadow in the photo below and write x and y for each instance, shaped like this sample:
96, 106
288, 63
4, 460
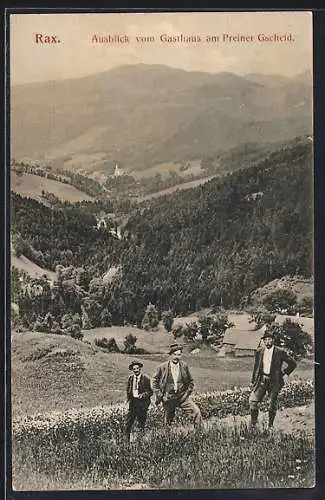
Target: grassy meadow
223, 454
25, 264
32, 185
68, 412
173, 189
224, 457
55, 372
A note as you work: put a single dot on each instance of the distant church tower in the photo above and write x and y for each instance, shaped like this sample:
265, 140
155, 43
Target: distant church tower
117, 171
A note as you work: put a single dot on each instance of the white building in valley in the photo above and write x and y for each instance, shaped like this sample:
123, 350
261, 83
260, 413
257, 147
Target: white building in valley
117, 171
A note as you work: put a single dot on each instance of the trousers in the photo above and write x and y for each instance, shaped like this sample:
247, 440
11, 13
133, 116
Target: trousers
257, 396
188, 406
136, 412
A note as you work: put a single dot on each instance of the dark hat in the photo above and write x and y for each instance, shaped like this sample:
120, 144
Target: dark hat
174, 348
134, 363
268, 334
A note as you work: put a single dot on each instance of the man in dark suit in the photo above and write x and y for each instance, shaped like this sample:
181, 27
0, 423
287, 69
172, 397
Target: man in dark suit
269, 376
138, 394
173, 384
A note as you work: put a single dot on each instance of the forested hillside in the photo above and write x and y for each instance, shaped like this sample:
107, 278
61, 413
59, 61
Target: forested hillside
217, 243
207, 246
66, 236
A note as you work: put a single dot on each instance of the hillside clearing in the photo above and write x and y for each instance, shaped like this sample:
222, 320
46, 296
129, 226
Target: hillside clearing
152, 341
31, 186
164, 169
302, 287
35, 271
185, 185
158, 341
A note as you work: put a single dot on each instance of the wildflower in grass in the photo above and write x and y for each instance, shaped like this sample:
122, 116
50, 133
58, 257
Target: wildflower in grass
84, 428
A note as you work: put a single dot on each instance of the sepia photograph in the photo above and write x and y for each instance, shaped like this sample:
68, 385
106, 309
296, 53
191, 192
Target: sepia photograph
161, 216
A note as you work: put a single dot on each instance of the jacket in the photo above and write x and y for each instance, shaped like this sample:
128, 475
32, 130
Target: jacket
277, 370
160, 377
144, 389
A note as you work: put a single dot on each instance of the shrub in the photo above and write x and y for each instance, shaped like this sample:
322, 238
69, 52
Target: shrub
261, 316
177, 331
66, 321
76, 319
150, 319
281, 299
56, 329
306, 305
77, 334
292, 337
190, 330
167, 319
109, 344
130, 347
213, 328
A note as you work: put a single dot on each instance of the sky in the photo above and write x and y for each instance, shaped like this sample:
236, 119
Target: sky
77, 55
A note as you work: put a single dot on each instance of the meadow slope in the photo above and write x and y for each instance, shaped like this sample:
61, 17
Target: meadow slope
26, 265
55, 372
31, 185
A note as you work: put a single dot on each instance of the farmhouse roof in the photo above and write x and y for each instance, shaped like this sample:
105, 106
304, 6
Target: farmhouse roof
249, 339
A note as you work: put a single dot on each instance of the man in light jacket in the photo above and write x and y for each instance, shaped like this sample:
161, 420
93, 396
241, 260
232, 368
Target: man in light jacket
173, 385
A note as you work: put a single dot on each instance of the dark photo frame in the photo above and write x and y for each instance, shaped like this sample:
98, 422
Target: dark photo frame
50, 356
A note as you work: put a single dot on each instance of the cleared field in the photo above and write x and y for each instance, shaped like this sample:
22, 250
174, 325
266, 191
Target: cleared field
55, 372
32, 185
185, 185
152, 341
30, 267
164, 169
159, 340
301, 287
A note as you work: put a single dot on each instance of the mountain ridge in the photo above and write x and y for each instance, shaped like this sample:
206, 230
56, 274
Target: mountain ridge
140, 115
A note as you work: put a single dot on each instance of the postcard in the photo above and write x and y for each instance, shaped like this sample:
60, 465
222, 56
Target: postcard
161, 250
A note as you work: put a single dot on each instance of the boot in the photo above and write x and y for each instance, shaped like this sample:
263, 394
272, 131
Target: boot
272, 414
254, 416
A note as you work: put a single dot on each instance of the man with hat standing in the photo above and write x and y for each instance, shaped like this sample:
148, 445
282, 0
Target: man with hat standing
138, 394
269, 376
173, 384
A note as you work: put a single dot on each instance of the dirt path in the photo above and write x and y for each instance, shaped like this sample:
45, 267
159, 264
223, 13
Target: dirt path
287, 420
